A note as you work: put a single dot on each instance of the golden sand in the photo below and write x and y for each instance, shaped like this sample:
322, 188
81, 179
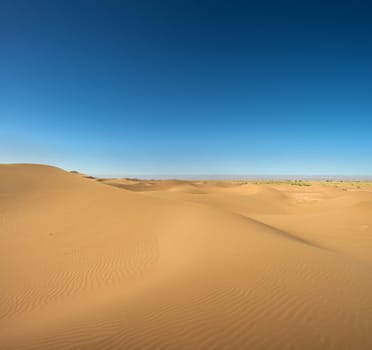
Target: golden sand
129, 264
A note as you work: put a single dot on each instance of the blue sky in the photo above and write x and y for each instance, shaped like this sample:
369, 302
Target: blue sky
187, 87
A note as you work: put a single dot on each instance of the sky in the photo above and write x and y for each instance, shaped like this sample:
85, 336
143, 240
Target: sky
187, 88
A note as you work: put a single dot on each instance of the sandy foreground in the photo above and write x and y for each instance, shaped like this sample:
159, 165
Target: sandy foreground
127, 264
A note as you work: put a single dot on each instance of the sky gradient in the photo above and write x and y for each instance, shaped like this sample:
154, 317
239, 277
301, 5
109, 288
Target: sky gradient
187, 88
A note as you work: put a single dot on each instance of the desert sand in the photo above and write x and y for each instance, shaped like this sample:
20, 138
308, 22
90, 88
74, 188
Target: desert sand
102, 264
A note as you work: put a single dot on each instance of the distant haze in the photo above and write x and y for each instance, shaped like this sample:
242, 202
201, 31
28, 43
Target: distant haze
241, 177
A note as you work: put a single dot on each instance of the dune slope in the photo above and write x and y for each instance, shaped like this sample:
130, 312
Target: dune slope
177, 265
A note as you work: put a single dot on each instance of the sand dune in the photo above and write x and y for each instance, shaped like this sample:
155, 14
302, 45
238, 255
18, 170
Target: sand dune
132, 264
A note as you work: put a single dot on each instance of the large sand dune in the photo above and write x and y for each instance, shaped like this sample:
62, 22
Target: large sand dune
130, 264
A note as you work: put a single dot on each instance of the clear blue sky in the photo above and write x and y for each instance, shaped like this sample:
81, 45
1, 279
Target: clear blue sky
187, 87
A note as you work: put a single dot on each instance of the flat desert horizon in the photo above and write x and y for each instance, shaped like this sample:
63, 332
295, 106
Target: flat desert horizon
94, 263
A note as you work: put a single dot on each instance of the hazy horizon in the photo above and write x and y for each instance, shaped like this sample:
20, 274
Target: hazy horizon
211, 176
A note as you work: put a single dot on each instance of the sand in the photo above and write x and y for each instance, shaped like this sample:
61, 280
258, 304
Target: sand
128, 264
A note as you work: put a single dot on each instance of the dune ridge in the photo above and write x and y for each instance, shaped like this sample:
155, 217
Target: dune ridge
130, 264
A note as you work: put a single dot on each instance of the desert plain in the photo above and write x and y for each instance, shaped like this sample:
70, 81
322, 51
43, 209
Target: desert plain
92, 263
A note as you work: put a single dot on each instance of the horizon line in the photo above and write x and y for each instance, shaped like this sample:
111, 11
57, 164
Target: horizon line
211, 176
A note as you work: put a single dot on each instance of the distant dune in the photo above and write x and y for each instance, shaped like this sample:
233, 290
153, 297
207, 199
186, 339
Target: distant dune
105, 264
